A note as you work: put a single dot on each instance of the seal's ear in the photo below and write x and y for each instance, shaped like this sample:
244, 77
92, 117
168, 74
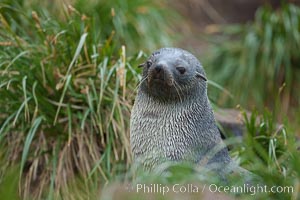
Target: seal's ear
198, 75
141, 65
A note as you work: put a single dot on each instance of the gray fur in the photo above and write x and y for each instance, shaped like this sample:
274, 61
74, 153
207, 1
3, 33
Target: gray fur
172, 119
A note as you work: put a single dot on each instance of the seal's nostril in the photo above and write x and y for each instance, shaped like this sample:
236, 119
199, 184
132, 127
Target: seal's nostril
158, 68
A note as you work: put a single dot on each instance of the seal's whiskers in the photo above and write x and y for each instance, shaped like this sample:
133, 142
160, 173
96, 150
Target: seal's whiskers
177, 91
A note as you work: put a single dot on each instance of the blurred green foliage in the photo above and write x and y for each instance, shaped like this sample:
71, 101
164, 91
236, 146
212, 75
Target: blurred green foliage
255, 60
140, 24
270, 150
67, 86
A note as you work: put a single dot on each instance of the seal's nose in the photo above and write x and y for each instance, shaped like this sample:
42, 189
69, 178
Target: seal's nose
158, 72
158, 68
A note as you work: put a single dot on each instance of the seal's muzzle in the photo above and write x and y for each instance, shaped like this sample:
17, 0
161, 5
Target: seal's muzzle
160, 73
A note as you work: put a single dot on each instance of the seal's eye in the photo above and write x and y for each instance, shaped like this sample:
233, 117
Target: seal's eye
148, 64
181, 70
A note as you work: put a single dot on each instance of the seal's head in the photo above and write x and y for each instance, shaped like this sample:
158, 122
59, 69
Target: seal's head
170, 73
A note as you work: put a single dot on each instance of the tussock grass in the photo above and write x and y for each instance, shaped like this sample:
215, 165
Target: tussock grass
270, 151
67, 84
254, 60
66, 87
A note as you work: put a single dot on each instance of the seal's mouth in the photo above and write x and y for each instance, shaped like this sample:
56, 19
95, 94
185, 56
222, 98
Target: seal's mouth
160, 81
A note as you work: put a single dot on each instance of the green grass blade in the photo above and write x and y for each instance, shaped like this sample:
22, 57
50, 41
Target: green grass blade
14, 60
216, 85
19, 110
26, 109
3, 126
28, 141
62, 98
77, 52
69, 111
53, 175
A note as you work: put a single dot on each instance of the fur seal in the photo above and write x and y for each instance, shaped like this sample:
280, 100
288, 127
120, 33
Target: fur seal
172, 118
